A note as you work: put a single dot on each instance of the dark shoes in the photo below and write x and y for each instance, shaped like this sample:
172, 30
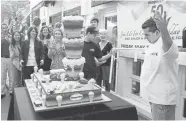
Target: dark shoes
2, 96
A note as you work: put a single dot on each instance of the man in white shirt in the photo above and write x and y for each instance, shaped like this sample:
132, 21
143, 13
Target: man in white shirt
159, 75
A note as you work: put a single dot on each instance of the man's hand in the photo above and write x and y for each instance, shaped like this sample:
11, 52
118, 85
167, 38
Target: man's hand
21, 63
41, 62
161, 22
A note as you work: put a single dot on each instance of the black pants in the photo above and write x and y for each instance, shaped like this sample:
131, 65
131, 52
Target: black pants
107, 85
47, 64
27, 71
99, 75
89, 75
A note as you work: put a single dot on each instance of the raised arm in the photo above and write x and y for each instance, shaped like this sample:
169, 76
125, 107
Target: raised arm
162, 23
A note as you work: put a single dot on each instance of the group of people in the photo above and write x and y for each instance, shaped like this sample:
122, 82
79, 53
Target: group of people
20, 52
158, 81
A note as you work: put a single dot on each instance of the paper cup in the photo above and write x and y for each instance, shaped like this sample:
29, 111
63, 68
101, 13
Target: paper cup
81, 75
35, 69
59, 99
40, 71
44, 99
40, 90
92, 82
91, 96
62, 76
36, 83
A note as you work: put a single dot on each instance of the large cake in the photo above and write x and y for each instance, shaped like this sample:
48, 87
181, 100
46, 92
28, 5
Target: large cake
68, 86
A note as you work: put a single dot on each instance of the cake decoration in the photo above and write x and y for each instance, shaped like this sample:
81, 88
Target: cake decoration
35, 69
91, 96
59, 99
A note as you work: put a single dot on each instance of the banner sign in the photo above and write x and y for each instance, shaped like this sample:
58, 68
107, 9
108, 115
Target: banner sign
132, 15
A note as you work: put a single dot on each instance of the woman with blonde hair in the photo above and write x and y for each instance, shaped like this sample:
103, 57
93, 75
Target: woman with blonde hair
56, 50
105, 47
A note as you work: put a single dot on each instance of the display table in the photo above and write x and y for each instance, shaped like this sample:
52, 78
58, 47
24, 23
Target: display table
21, 109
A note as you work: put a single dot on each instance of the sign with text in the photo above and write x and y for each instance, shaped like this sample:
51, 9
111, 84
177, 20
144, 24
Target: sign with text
132, 15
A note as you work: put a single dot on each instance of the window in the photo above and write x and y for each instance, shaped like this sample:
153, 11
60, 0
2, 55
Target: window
111, 19
136, 77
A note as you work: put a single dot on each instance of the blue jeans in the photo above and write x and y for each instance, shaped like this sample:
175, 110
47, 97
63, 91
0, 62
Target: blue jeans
163, 112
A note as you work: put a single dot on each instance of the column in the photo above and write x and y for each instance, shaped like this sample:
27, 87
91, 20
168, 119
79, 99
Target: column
47, 15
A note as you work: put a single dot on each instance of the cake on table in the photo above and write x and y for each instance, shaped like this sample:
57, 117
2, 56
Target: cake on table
67, 86
71, 91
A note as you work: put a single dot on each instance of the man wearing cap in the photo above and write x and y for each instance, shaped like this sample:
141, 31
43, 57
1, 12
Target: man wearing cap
94, 23
90, 52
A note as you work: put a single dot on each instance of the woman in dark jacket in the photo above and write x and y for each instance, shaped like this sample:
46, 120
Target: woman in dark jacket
46, 38
32, 53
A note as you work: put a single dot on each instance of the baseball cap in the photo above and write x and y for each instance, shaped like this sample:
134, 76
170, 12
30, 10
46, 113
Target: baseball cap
92, 30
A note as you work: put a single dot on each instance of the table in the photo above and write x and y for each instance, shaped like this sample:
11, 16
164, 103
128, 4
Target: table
21, 109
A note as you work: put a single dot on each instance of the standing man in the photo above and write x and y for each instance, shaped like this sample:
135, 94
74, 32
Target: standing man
94, 23
6, 63
159, 75
90, 52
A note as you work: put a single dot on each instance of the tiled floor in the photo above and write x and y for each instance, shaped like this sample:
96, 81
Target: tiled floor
5, 103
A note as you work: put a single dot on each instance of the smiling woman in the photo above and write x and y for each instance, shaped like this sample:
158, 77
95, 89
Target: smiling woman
15, 50
56, 51
32, 53
46, 38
